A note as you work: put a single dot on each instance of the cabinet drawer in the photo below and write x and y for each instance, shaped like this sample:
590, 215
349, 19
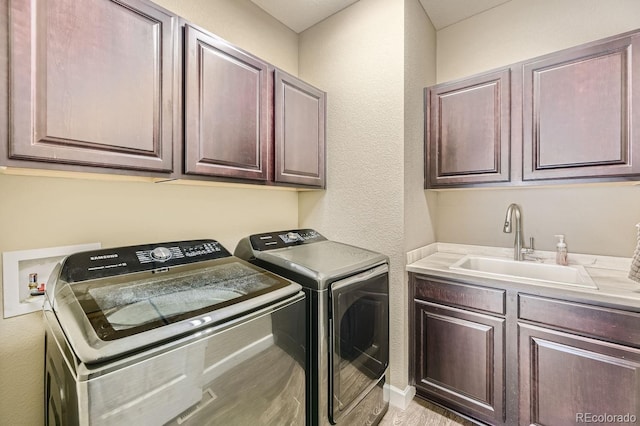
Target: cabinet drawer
458, 294
611, 324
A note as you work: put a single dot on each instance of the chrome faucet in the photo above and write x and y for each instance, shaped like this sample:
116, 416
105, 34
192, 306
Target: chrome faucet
519, 249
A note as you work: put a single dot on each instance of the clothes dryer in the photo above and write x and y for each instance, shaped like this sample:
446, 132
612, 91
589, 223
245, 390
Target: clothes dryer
347, 291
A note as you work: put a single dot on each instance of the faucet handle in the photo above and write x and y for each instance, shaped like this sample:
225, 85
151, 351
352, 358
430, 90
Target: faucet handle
530, 249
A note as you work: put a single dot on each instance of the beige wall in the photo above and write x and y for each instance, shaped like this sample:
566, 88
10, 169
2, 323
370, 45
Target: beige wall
38, 212
374, 58
522, 29
595, 219
419, 205
357, 57
419, 72
245, 25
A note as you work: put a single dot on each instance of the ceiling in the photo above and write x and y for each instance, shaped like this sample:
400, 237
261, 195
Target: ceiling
446, 12
302, 14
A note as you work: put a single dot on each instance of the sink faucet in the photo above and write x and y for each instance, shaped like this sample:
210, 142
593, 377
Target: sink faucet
519, 249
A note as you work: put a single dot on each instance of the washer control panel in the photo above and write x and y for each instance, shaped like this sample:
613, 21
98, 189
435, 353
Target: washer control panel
282, 239
202, 250
149, 257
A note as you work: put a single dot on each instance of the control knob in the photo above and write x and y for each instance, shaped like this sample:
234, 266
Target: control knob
161, 254
293, 236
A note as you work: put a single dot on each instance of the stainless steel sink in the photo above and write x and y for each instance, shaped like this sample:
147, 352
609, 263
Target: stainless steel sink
574, 275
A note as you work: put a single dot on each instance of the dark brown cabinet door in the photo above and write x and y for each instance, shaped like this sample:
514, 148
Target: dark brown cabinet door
468, 131
226, 109
93, 83
564, 378
460, 360
299, 131
578, 112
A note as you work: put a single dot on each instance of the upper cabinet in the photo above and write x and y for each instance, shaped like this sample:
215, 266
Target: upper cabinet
128, 86
226, 100
299, 131
570, 119
92, 83
577, 112
468, 130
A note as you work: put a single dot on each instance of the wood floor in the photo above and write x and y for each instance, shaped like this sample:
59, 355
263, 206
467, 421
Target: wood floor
421, 413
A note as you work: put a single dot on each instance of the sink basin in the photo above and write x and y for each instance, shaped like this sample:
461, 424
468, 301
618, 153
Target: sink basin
574, 275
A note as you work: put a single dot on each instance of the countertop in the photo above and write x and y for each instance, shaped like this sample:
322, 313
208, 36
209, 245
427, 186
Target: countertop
609, 274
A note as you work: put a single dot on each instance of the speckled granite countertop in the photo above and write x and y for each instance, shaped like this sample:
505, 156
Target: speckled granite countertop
608, 273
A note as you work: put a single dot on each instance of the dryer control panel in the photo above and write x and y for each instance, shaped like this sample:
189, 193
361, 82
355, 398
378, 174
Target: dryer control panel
282, 239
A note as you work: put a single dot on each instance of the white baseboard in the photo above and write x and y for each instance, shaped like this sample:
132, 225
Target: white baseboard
398, 397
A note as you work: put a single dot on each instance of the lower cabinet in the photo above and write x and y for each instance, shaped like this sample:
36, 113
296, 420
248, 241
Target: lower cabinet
567, 379
458, 346
460, 360
579, 363
506, 357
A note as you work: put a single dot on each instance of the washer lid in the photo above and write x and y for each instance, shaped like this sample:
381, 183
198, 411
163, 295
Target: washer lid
322, 261
120, 308
110, 315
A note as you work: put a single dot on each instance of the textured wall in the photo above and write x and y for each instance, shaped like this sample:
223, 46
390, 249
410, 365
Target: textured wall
357, 57
419, 205
596, 219
46, 212
419, 72
374, 58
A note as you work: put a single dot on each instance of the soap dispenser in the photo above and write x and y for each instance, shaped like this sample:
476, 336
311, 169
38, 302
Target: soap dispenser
561, 251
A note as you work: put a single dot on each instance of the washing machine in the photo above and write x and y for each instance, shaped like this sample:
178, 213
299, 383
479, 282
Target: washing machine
347, 291
176, 333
